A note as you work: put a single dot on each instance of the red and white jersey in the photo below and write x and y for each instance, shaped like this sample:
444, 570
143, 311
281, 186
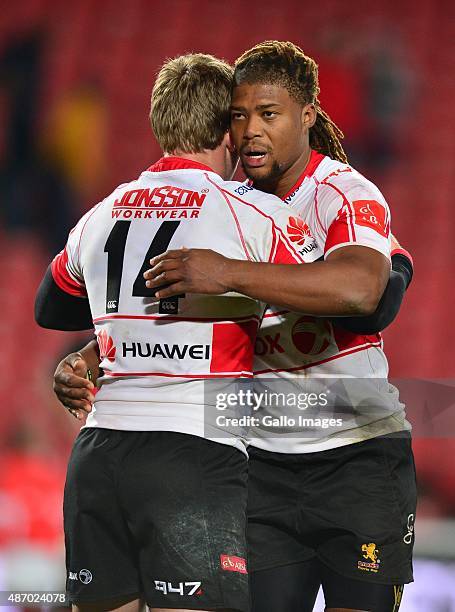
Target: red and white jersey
336, 206
156, 355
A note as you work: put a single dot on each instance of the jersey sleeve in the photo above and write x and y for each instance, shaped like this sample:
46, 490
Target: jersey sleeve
66, 267
57, 309
356, 214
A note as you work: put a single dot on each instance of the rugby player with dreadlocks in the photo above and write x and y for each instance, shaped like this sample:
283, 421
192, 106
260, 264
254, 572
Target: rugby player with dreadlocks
336, 507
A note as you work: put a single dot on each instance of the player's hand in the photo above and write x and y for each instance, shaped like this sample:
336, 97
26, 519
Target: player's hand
188, 271
71, 386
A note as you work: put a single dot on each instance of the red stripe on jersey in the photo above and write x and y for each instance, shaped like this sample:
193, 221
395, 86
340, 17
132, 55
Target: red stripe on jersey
273, 247
338, 234
167, 375
62, 277
239, 229
305, 366
283, 254
347, 340
170, 318
275, 314
352, 220
316, 207
342, 228
233, 346
313, 163
172, 162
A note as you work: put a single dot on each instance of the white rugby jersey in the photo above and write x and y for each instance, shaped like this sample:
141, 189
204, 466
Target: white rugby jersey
156, 355
336, 207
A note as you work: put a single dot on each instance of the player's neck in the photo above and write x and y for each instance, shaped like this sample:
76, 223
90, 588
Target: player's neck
204, 157
282, 184
221, 160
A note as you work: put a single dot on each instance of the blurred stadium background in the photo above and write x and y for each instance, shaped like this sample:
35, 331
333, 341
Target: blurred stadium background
75, 80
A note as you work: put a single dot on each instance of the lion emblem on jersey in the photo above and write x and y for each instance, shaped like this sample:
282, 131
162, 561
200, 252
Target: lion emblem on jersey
298, 230
370, 552
106, 344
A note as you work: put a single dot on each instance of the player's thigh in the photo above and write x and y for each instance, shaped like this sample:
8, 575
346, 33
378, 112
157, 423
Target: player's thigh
365, 529
273, 511
289, 588
99, 558
342, 593
185, 501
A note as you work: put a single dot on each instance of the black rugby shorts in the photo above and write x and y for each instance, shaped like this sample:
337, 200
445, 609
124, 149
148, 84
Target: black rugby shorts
352, 507
158, 515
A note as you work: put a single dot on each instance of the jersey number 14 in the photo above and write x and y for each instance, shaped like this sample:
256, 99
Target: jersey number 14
115, 248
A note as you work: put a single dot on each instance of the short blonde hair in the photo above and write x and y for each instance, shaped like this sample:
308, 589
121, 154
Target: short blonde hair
190, 103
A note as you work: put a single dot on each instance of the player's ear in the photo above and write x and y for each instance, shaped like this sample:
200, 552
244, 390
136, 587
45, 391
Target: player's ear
309, 115
232, 157
228, 142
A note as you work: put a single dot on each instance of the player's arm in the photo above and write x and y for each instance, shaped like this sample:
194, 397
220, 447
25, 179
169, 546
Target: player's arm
57, 309
390, 302
76, 374
349, 282
61, 301
354, 229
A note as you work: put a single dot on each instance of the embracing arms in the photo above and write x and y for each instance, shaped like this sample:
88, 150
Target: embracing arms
350, 283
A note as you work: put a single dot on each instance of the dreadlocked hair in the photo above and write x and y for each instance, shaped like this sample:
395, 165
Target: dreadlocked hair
286, 65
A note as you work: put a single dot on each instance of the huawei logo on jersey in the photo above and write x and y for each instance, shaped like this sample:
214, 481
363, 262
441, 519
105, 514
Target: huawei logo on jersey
298, 230
106, 344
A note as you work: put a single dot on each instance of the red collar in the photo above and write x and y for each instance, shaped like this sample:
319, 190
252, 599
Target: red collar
177, 163
313, 163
